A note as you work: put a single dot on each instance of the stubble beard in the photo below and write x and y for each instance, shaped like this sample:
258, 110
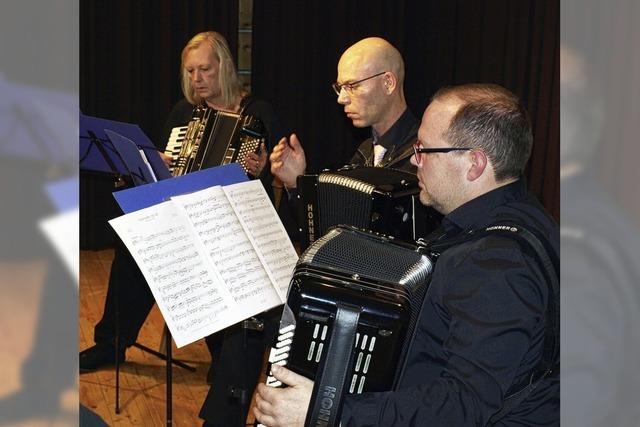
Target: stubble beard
428, 200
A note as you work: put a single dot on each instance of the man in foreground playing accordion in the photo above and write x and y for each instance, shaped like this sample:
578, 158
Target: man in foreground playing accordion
485, 348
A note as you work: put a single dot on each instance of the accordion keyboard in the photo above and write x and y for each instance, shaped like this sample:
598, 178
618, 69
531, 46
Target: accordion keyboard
174, 144
280, 353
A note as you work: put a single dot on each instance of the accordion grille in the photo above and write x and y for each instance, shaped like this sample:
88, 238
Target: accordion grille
377, 259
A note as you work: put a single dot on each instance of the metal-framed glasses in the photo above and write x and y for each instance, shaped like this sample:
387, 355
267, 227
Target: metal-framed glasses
418, 151
349, 87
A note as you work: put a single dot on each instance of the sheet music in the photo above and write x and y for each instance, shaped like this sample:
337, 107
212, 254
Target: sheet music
212, 258
230, 249
187, 288
265, 230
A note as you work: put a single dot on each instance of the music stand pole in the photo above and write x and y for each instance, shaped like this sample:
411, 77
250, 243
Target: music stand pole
117, 339
131, 161
169, 375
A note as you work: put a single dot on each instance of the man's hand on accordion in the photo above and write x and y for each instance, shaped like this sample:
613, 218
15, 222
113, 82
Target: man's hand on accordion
283, 407
257, 161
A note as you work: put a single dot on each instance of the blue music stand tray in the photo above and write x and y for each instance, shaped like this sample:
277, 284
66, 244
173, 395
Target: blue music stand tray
131, 154
98, 153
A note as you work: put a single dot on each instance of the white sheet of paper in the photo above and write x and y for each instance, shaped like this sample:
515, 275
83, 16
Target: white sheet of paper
185, 285
212, 258
230, 249
254, 209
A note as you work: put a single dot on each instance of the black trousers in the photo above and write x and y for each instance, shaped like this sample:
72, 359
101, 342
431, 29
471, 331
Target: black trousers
129, 296
238, 371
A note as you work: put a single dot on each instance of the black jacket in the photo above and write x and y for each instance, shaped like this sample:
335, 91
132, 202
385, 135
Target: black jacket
398, 141
480, 330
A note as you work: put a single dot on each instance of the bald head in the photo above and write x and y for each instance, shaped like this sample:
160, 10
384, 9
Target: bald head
374, 55
372, 73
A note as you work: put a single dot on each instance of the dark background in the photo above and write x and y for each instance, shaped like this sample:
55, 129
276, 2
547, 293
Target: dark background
130, 59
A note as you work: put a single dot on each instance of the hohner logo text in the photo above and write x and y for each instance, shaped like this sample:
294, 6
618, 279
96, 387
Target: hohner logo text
310, 224
326, 404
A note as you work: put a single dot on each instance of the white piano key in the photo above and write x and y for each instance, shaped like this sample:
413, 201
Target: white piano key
285, 336
287, 329
283, 343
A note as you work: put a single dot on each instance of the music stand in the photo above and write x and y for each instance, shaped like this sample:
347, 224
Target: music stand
141, 197
101, 170
144, 167
97, 153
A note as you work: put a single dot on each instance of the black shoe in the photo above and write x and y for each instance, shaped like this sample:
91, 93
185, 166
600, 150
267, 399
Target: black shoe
98, 356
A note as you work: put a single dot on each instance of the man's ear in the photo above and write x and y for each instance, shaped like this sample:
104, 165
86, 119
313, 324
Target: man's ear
478, 165
390, 82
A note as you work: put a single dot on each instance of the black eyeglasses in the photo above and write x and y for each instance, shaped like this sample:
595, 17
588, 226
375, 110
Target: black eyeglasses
349, 87
419, 150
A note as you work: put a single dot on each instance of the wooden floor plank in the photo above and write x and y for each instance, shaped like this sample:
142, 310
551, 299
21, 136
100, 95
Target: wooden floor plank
143, 376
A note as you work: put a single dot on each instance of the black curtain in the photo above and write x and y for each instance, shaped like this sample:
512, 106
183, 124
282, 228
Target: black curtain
130, 58
297, 45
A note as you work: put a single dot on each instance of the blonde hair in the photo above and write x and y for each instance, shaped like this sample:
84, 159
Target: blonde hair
228, 80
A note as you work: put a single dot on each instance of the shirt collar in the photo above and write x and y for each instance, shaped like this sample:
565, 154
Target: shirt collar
476, 213
397, 132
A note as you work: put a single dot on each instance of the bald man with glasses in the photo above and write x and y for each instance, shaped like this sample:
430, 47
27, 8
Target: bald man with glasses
370, 87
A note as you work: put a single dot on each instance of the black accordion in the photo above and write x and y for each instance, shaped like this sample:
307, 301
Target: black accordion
351, 310
379, 199
214, 138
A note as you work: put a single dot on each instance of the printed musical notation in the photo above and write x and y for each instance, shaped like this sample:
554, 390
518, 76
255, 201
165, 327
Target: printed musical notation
228, 246
183, 282
266, 231
212, 258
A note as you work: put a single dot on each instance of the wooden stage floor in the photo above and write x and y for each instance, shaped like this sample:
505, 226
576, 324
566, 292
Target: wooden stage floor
143, 376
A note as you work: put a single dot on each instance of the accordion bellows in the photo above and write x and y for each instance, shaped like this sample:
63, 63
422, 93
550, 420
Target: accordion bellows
214, 138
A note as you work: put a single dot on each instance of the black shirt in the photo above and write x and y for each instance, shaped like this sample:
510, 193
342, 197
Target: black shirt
481, 328
398, 141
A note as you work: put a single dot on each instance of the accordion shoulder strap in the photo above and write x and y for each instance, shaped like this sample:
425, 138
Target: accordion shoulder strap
549, 261
331, 378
